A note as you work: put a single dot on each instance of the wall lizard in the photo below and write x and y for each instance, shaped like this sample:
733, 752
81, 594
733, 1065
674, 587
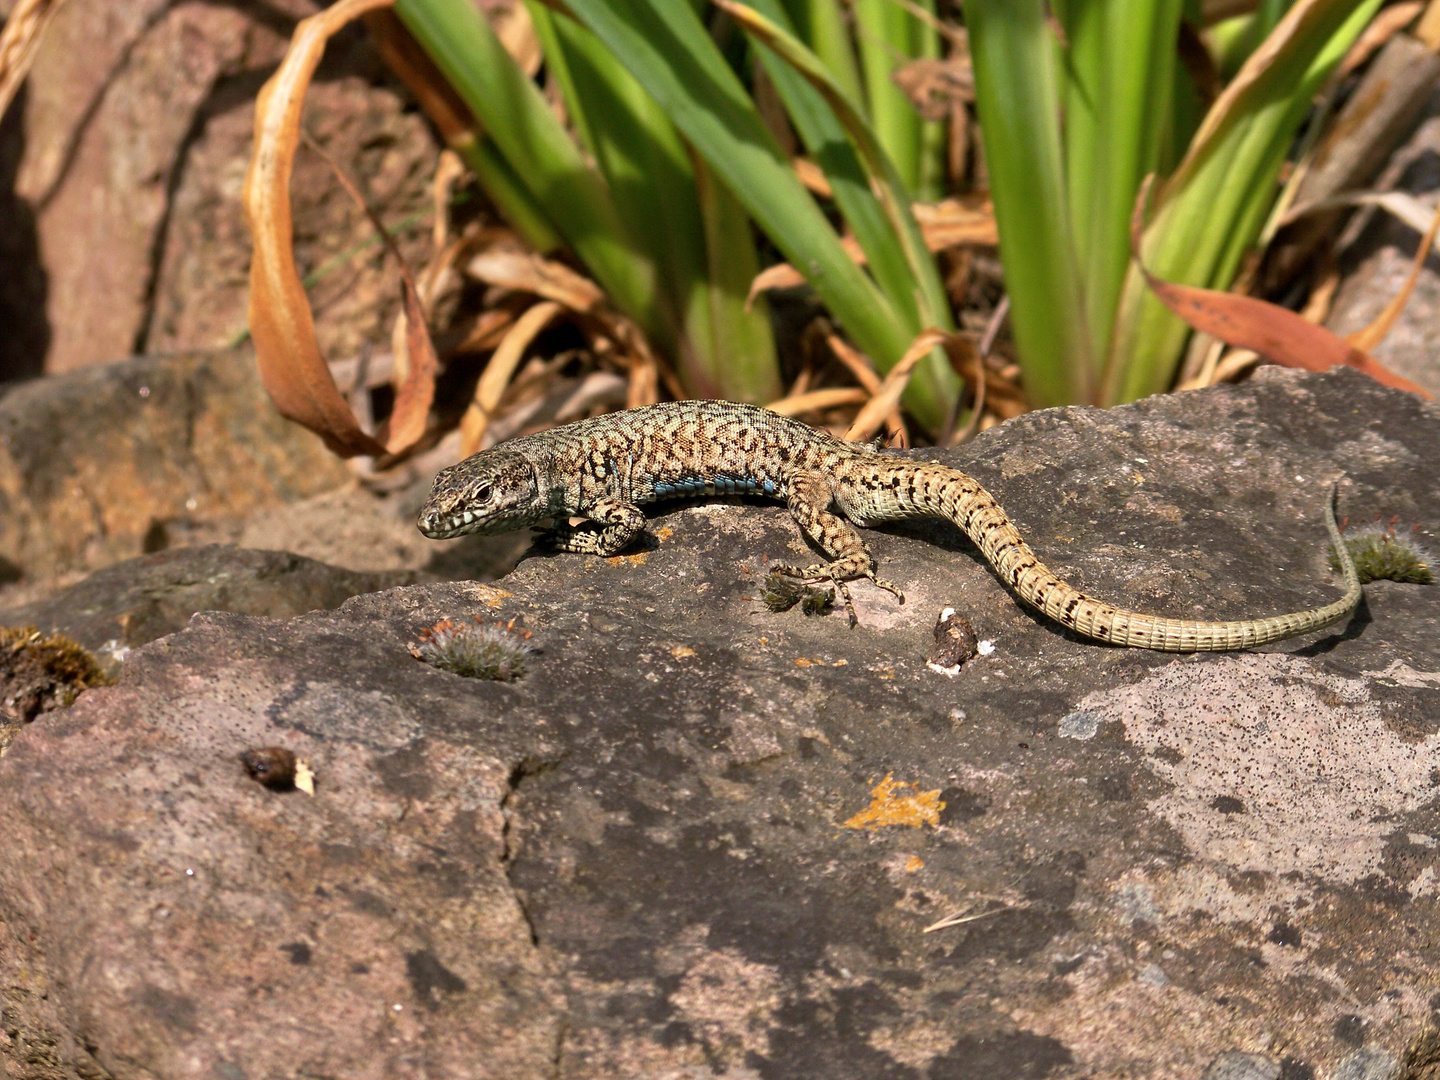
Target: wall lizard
603, 469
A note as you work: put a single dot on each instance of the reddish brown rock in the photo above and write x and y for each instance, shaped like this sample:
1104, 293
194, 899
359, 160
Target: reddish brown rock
127, 154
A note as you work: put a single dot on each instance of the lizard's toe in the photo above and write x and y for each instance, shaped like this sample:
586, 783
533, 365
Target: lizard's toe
889, 587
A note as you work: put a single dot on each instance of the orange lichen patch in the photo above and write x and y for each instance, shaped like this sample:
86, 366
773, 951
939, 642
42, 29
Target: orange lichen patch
664, 532
805, 661
489, 595
914, 862
682, 651
894, 802
885, 671
632, 560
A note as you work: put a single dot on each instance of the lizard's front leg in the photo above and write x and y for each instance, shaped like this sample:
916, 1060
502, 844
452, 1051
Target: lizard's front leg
612, 524
809, 499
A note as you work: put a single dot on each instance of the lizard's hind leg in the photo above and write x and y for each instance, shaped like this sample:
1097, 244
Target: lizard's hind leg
809, 499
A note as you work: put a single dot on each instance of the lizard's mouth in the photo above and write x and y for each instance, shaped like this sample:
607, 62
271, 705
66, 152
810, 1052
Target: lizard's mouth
448, 527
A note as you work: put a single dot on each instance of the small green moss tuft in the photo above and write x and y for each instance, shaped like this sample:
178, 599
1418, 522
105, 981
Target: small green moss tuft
1380, 554
40, 672
781, 593
498, 652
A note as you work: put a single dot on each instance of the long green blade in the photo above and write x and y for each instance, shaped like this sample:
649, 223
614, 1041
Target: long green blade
539, 150
1017, 95
1228, 175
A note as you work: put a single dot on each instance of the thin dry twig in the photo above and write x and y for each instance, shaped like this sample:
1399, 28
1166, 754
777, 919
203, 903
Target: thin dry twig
960, 918
415, 359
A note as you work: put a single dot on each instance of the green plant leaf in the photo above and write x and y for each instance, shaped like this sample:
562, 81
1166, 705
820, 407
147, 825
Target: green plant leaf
538, 149
1018, 96
1227, 176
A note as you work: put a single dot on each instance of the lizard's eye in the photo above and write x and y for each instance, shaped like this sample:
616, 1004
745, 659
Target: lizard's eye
482, 494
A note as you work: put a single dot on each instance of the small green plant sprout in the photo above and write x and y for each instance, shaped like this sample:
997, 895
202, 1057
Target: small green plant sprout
1379, 553
498, 652
781, 594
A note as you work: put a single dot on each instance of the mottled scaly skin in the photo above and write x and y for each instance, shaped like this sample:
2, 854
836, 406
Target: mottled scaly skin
605, 468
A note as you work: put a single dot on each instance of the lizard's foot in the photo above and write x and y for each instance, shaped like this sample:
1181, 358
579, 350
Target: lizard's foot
838, 572
817, 572
577, 540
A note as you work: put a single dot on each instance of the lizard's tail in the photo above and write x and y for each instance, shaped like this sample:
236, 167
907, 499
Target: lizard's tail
952, 494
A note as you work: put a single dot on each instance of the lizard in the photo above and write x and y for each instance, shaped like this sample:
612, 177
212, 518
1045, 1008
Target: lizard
603, 469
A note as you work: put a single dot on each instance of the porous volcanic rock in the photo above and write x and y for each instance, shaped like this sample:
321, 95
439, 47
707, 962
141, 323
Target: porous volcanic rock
699, 839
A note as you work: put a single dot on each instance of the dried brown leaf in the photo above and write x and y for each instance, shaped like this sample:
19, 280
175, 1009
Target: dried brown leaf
935, 86
813, 177
819, 399
1372, 335
946, 224
416, 390
499, 370
859, 365
887, 397
513, 268
292, 369
1388, 22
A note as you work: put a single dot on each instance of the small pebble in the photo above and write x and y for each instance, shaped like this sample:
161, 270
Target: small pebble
273, 766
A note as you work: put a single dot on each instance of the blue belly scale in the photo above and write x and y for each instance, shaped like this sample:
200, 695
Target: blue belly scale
712, 485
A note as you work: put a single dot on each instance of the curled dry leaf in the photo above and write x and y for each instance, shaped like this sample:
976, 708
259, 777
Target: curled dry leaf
1274, 332
283, 327
1386, 24
860, 366
887, 397
513, 268
509, 267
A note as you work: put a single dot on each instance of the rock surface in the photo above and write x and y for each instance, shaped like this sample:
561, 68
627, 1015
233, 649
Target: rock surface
127, 157
123, 606
95, 461
699, 839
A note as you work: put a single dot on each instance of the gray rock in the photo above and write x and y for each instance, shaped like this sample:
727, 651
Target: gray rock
700, 839
1234, 1065
116, 609
1368, 1063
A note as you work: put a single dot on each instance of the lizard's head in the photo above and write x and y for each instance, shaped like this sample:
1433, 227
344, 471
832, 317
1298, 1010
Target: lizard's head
493, 491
